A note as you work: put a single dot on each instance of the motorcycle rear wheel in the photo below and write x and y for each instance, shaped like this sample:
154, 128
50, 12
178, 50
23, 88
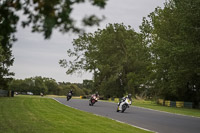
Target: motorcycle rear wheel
124, 108
93, 102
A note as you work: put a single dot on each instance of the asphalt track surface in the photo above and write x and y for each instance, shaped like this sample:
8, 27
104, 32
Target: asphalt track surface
156, 121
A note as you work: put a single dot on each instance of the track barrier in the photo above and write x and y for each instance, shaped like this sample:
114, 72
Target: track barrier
178, 104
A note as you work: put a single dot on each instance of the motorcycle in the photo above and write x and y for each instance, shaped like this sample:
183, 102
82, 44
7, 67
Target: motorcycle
93, 100
122, 106
69, 96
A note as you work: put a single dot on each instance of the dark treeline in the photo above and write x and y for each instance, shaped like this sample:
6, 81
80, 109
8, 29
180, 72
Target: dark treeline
49, 86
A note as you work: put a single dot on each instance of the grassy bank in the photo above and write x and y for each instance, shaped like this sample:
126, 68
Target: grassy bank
153, 105
34, 114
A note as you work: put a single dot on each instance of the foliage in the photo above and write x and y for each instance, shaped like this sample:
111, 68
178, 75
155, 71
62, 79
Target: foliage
44, 15
88, 84
49, 86
173, 36
8, 22
5, 62
65, 88
115, 55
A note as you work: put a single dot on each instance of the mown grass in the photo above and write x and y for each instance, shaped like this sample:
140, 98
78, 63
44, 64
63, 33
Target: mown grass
33, 114
153, 105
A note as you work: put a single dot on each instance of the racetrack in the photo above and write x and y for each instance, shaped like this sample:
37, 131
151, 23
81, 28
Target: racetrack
148, 119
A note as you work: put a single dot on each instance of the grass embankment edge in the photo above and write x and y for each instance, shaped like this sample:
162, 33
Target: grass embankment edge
40, 114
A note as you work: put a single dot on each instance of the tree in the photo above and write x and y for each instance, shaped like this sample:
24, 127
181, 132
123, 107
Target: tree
115, 55
5, 61
88, 84
51, 85
173, 36
39, 86
15, 85
8, 22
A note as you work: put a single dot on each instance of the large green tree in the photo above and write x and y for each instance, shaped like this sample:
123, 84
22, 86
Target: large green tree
115, 55
173, 34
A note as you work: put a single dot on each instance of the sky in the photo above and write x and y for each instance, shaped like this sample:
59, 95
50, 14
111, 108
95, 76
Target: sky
35, 56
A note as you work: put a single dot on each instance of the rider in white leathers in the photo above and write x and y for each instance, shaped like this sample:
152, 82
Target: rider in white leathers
124, 99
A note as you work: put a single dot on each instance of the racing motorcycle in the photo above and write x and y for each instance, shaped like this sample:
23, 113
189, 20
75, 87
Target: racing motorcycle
69, 96
122, 106
93, 100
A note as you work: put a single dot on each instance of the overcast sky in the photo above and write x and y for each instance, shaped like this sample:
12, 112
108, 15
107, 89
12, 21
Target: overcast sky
35, 56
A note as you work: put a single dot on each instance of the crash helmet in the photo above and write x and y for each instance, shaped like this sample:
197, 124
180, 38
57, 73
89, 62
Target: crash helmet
129, 95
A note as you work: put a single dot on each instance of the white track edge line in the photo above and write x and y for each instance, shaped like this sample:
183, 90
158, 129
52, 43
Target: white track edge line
107, 117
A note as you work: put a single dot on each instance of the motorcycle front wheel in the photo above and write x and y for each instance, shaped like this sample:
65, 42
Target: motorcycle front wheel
117, 108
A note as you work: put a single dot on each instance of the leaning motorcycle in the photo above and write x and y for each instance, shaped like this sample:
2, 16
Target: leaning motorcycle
69, 96
122, 106
93, 100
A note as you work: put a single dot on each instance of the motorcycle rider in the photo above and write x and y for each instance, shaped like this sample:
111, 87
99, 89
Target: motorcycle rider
70, 93
124, 98
96, 94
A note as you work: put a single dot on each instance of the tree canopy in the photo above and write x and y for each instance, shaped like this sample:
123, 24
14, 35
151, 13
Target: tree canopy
173, 36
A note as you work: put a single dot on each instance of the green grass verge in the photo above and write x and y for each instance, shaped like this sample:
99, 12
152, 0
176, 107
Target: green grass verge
33, 114
153, 105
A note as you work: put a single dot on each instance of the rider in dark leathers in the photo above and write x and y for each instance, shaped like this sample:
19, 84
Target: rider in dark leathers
71, 91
